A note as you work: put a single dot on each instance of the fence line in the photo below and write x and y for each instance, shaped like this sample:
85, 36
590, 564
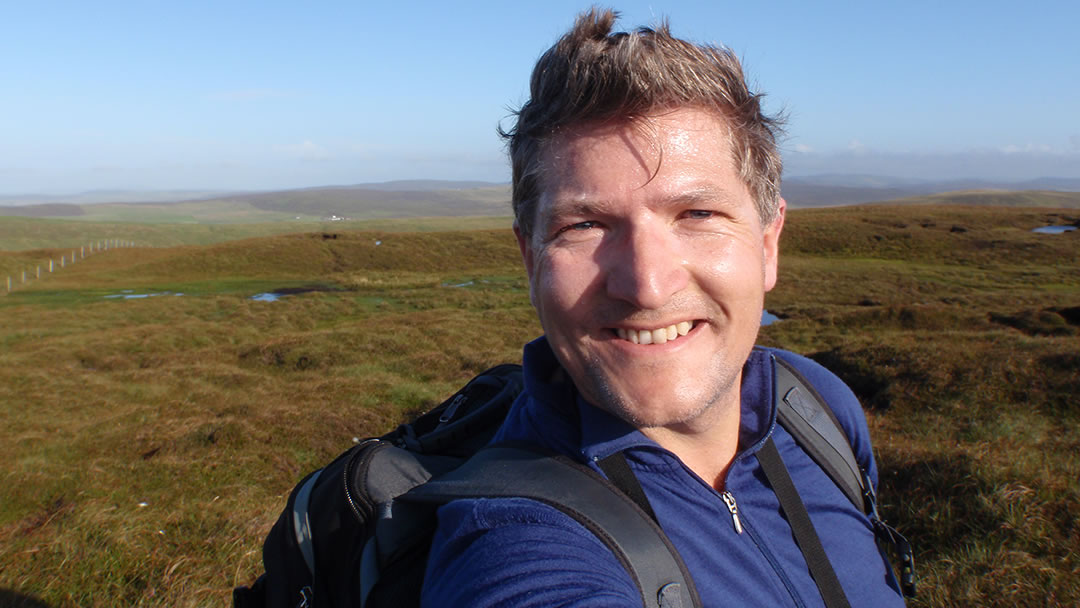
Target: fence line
90, 248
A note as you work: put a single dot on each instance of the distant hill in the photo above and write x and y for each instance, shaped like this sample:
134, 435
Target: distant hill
799, 194
94, 197
424, 184
442, 198
1001, 198
44, 210
109, 196
843, 189
396, 199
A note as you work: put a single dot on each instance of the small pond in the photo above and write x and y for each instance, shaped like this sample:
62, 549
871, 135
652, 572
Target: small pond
277, 294
767, 318
1053, 229
129, 294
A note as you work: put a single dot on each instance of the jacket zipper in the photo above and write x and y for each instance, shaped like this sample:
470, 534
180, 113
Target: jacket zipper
729, 500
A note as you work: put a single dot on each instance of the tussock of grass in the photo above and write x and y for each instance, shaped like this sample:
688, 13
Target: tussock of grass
209, 407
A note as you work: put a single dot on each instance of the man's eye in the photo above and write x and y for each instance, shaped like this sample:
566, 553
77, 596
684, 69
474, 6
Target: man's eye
699, 214
579, 227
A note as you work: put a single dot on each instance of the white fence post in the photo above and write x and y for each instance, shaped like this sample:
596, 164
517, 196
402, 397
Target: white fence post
39, 271
50, 265
24, 276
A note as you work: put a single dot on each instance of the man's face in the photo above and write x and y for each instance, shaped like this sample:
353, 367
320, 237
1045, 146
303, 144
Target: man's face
648, 266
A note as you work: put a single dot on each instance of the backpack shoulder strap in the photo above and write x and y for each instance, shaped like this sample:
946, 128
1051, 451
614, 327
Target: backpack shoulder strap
302, 522
635, 539
804, 414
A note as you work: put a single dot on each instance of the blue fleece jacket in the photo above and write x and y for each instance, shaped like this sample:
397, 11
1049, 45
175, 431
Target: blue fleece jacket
521, 553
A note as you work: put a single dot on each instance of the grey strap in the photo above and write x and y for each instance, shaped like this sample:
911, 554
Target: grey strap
813, 425
301, 523
635, 539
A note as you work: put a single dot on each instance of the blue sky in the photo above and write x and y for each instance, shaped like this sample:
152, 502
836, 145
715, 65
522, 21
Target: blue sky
265, 95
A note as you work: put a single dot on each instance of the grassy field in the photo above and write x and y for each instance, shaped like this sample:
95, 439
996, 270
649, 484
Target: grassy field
150, 442
22, 235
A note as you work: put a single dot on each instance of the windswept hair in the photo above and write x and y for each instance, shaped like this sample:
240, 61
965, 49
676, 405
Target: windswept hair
594, 75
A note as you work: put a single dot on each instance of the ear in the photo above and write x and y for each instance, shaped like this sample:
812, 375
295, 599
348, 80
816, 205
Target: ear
525, 245
771, 245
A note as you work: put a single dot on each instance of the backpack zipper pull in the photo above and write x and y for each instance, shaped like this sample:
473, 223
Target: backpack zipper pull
448, 414
729, 500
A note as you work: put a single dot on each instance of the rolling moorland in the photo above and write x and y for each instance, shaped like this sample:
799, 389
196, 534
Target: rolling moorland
150, 442
427, 198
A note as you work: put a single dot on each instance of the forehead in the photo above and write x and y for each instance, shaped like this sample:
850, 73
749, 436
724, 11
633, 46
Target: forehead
661, 154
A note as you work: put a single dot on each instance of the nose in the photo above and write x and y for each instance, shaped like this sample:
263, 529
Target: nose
644, 267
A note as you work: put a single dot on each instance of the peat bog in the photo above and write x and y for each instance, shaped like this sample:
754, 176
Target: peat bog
150, 443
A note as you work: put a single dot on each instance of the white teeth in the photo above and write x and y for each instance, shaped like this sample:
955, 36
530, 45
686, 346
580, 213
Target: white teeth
655, 336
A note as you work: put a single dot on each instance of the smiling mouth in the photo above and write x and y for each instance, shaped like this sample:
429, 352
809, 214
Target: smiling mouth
661, 335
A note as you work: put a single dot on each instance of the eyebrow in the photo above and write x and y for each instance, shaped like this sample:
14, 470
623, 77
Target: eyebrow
584, 205
698, 194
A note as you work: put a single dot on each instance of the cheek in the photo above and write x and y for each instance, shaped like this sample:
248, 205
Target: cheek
728, 265
562, 283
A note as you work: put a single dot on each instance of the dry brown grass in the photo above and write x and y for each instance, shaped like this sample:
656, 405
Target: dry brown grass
209, 407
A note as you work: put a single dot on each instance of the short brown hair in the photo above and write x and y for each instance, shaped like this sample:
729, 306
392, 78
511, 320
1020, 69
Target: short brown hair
592, 75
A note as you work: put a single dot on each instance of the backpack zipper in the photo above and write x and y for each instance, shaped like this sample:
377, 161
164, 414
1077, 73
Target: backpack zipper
364, 454
729, 500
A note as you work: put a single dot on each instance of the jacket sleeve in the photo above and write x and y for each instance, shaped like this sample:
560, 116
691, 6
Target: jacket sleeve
844, 404
515, 552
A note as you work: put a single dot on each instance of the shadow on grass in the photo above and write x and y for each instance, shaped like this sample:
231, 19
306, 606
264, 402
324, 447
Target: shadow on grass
869, 372
938, 503
1046, 322
14, 599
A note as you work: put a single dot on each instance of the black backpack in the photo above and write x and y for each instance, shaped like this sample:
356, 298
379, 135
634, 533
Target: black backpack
371, 511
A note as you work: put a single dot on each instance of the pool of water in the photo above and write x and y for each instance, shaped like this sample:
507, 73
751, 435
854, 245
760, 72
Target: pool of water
267, 297
1053, 229
767, 318
277, 294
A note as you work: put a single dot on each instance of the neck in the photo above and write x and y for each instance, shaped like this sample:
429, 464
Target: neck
707, 444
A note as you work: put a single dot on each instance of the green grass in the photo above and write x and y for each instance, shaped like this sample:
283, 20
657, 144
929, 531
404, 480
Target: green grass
20, 234
208, 407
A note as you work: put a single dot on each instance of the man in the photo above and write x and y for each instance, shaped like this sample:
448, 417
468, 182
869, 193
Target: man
646, 195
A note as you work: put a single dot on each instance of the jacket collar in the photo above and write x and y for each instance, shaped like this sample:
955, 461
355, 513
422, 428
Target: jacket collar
555, 406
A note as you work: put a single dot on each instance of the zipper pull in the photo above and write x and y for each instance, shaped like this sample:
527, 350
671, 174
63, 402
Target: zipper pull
451, 409
729, 500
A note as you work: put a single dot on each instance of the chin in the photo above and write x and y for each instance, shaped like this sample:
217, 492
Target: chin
648, 406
